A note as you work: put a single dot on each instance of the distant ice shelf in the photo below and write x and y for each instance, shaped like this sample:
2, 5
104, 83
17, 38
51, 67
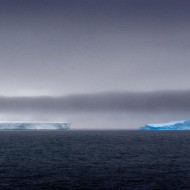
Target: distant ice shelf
18, 125
174, 125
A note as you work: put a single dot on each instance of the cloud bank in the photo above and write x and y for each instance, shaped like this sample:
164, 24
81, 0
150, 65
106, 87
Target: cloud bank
115, 110
169, 101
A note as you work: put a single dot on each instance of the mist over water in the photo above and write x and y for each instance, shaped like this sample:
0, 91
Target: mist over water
113, 110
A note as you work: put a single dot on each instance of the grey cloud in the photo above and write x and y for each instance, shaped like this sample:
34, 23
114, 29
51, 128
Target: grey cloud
169, 101
79, 46
50, 49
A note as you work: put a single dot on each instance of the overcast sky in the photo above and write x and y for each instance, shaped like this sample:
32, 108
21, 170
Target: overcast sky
98, 63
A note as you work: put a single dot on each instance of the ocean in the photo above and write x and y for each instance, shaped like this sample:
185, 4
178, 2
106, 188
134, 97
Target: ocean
95, 160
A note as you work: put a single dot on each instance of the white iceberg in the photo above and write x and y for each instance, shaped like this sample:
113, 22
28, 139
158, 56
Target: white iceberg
174, 125
15, 125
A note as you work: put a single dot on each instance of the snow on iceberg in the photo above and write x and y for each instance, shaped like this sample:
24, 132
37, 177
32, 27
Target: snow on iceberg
34, 125
175, 125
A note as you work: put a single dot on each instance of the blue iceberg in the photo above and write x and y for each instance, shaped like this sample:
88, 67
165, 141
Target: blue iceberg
175, 125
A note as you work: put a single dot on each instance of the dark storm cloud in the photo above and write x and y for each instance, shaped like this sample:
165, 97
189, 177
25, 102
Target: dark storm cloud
101, 102
50, 49
60, 47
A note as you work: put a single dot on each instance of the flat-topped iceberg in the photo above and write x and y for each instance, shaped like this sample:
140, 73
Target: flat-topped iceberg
34, 125
175, 125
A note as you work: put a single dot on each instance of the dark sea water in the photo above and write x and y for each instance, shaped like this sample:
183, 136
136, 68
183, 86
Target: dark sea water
95, 160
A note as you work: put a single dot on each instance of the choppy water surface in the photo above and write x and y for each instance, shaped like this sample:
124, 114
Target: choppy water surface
94, 160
